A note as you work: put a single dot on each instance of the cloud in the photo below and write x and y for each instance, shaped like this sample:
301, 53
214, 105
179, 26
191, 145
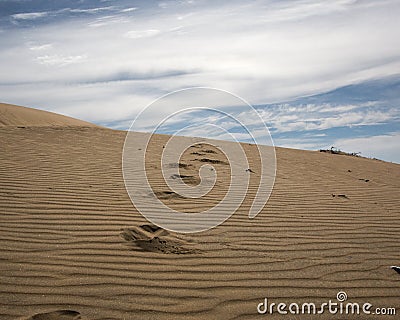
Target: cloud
137, 34
128, 9
41, 47
286, 11
60, 60
243, 48
29, 16
288, 118
106, 21
64, 12
105, 63
386, 146
92, 10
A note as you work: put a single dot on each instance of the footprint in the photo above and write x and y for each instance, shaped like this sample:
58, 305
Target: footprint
340, 196
179, 165
57, 315
395, 268
212, 161
186, 178
209, 151
151, 228
167, 195
155, 239
145, 231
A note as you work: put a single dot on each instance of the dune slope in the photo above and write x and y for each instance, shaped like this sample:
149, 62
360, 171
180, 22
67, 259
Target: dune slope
12, 115
72, 244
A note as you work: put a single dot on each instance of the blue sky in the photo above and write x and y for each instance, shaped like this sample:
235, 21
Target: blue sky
320, 73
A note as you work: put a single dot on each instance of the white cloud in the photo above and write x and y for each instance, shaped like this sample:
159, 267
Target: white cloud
250, 56
92, 10
107, 21
60, 60
264, 51
41, 47
286, 11
137, 34
163, 5
386, 147
289, 118
29, 16
128, 9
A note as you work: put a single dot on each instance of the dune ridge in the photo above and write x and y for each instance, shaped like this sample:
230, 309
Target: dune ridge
74, 247
12, 115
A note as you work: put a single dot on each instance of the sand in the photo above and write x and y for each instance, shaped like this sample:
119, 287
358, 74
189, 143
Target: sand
73, 245
12, 115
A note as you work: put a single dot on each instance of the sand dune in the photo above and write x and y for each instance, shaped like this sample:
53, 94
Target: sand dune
73, 246
11, 115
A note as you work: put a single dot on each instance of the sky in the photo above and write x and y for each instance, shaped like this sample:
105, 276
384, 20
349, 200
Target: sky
319, 73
